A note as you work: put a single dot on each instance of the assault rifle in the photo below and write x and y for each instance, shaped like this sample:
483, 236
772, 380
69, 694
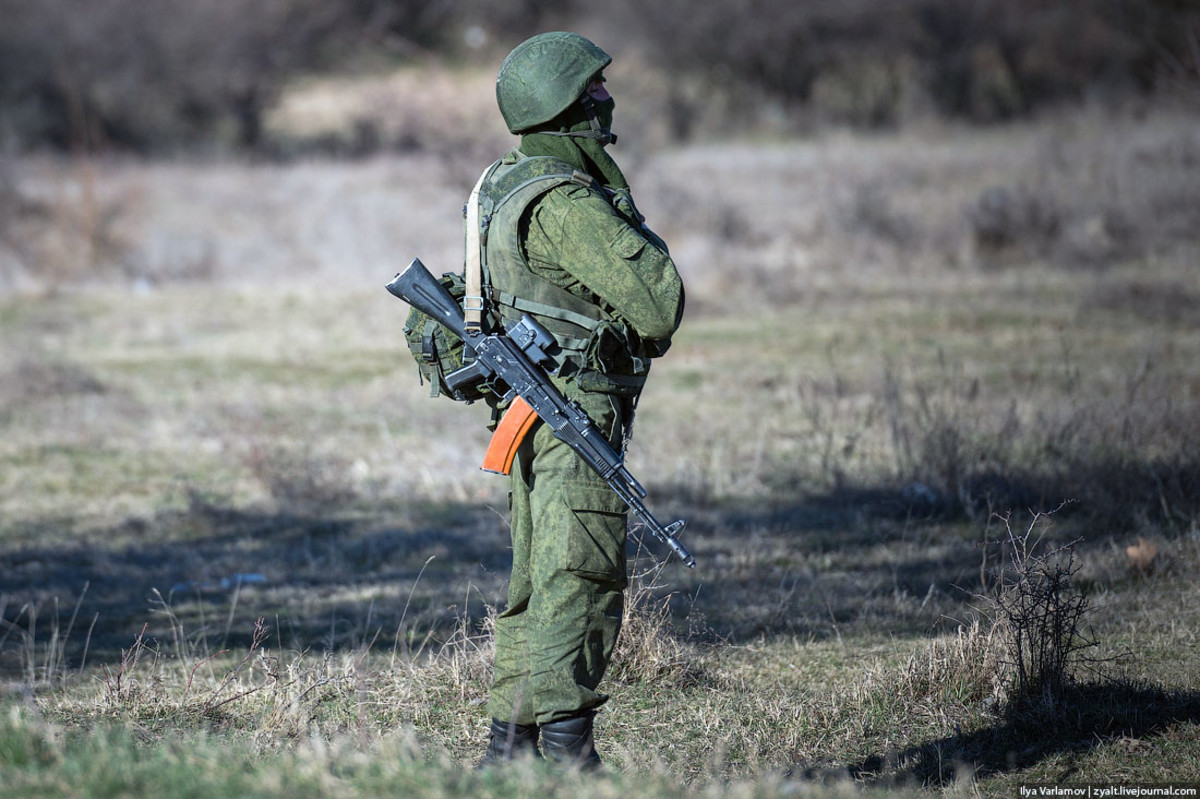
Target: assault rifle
514, 363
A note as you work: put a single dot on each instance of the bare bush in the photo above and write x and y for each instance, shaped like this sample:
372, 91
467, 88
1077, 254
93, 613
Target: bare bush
178, 73
785, 48
64, 225
868, 63
951, 456
871, 213
1040, 614
301, 481
1169, 303
1125, 455
1014, 219
148, 77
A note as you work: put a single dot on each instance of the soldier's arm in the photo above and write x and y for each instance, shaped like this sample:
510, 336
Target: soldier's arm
576, 240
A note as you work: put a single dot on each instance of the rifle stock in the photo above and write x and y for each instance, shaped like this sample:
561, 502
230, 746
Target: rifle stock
419, 289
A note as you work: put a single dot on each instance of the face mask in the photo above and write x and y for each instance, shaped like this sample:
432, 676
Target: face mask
604, 115
600, 118
597, 124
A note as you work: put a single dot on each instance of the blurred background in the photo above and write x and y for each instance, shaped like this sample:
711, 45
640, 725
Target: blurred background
210, 75
89, 90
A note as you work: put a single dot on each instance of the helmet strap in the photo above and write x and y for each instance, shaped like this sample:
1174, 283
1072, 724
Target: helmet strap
601, 134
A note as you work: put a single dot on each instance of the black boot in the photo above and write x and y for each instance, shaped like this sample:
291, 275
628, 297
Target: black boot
571, 741
508, 740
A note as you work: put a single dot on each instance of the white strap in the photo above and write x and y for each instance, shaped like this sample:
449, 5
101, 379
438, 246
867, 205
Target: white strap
472, 261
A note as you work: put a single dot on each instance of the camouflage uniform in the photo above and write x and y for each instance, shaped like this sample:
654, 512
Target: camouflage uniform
569, 248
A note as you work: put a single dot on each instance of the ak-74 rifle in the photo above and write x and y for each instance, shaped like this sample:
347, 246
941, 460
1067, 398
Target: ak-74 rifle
514, 364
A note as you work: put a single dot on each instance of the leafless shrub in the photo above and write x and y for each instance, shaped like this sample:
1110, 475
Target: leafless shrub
214, 699
1099, 239
865, 63
1126, 456
120, 686
301, 481
116, 72
68, 227
148, 683
950, 459
1040, 614
871, 93
1177, 47
1165, 303
1007, 220
872, 214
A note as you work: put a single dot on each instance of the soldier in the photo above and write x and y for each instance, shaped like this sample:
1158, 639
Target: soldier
564, 243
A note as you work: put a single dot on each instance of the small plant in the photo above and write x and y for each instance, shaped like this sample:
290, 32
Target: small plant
1040, 614
118, 688
211, 702
1006, 219
647, 649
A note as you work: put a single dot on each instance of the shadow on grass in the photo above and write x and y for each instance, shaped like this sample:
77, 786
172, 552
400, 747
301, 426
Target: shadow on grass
333, 578
1087, 716
858, 560
200, 577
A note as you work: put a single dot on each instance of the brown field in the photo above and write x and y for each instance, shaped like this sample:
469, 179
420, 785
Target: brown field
906, 356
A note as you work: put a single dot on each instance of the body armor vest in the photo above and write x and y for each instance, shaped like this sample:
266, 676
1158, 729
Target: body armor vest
599, 350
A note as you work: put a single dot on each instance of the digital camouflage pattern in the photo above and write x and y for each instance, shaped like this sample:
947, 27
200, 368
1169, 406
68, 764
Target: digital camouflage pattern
437, 351
566, 593
556, 636
579, 244
529, 263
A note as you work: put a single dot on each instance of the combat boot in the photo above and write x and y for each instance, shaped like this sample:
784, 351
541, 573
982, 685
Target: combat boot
508, 741
572, 742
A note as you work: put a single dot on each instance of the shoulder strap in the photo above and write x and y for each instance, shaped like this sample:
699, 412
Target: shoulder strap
472, 261
473, 298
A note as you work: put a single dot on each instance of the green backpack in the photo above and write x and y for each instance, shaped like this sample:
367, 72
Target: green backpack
438, 352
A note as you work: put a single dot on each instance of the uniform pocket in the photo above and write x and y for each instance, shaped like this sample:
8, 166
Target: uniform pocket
596, 542
628, 243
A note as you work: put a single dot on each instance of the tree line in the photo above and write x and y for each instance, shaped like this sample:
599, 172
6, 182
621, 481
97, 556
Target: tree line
154, 75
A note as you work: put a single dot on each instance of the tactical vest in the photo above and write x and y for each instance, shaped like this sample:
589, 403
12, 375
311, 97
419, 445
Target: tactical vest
600, 352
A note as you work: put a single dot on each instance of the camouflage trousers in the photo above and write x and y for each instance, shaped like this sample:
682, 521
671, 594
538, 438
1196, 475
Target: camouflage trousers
566, 594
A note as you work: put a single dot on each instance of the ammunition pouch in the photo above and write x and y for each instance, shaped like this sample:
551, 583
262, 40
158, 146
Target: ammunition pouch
609, 363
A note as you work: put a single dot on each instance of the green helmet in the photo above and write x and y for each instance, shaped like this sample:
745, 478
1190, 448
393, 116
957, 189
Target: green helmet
543, 75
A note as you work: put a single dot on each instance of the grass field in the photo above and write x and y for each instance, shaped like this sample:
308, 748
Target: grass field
242, 553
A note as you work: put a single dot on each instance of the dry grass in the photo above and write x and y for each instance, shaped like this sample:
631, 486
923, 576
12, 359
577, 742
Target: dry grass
865, 377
